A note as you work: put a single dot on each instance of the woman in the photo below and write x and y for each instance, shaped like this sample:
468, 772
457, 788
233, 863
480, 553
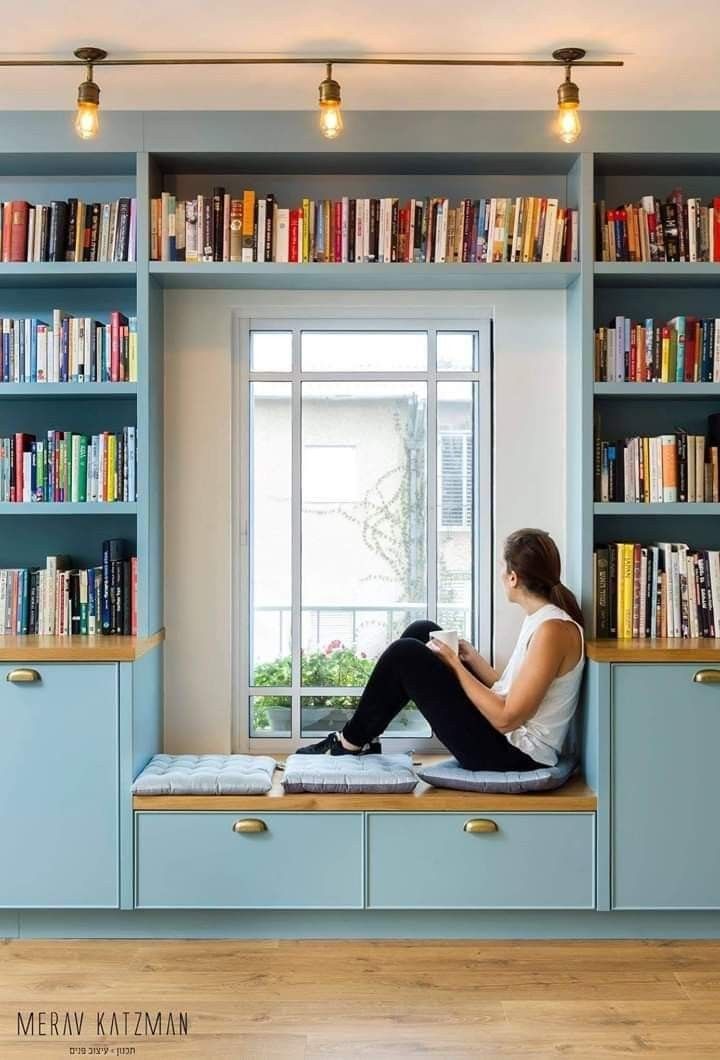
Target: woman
517, 721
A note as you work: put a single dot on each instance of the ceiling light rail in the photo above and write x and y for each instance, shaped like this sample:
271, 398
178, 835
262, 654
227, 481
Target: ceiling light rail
87, 122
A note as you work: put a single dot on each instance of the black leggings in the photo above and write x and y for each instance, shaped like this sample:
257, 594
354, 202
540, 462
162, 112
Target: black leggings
407, 670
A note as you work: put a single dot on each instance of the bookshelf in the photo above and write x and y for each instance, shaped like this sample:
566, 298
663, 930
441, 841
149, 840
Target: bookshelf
659, 290
31, 531
620, 157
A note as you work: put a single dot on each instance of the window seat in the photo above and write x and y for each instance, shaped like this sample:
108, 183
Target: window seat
575, 796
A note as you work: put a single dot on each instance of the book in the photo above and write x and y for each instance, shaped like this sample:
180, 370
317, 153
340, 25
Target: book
662, 589
385, 230
669, 468
69, 466
677, 228
62, 600
70, 230
68, 349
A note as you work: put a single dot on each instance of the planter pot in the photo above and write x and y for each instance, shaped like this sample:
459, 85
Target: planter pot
279, 719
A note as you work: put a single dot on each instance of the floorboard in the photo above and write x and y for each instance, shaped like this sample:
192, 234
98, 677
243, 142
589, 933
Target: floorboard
301, 1000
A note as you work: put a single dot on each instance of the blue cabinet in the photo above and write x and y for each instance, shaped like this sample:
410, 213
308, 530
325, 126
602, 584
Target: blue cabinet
59, 786
665, 741
219, 860
511, 861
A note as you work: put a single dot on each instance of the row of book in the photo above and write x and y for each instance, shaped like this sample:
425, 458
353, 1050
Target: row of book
659, 590
676, 229
682, 350
69, 350
220, 227
670, 468
68, 230
61, 600
66, 466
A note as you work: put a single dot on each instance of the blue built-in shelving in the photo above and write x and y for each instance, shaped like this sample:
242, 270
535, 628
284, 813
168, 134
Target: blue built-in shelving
619, 158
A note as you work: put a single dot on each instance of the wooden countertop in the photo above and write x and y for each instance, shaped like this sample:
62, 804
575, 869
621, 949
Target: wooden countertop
575, 796
77, 649
675, 650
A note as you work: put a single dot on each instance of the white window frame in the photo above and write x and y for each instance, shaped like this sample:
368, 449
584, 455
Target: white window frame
366, 319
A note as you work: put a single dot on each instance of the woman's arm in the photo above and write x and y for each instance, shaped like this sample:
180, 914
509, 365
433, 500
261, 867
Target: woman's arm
474, 661
544, 658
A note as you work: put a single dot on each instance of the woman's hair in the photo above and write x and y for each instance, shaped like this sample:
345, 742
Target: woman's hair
534, 557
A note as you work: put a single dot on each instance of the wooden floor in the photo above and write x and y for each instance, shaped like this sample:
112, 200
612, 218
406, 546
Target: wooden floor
294, 1000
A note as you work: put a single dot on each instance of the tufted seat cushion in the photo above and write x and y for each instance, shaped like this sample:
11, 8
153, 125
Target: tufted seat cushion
347, 774
450, 774
205, 775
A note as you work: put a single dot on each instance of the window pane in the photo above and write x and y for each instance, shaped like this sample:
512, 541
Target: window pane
270, 716
456, 493
271, 351
323, 714
366, 351
364, 569
270, 552
456, 351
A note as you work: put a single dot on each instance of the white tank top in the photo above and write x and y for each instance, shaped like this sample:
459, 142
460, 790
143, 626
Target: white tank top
543, 735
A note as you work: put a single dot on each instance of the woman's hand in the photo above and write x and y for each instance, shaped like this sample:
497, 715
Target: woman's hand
474, 662
446, 653
468, 654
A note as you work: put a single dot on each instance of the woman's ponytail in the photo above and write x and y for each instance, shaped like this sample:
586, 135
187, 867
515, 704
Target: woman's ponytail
565, 599
534, 557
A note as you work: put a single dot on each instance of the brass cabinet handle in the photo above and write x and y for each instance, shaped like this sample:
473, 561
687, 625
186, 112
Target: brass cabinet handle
22, 676
480, 825
249, 826
707, 677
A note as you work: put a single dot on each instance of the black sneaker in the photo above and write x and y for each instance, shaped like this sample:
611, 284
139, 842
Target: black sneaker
331, 745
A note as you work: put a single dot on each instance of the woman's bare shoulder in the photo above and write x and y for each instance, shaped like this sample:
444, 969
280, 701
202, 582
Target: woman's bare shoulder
560, 635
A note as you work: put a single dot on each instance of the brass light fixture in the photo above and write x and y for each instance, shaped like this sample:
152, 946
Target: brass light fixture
87, 116
568, 119
331, 120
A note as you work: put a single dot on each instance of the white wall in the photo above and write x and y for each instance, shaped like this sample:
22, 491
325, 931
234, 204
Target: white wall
529, 470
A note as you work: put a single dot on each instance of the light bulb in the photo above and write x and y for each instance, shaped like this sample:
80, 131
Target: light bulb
87, 120
568, 122
331, 121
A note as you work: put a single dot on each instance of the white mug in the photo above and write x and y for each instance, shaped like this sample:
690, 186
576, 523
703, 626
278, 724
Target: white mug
447, 636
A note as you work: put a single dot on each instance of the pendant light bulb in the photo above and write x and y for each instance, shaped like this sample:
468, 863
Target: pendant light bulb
331, 119
87, 113
568, 94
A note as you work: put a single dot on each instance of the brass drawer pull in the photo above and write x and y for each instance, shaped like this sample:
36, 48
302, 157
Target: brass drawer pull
249, 826
707, 677
480, 825
22, 676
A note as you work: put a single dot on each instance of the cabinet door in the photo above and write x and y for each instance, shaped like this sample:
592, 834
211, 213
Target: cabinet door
198, 860
665, 753
523, 861
59, 787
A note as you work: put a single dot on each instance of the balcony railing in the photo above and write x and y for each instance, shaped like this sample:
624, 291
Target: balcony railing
367, 628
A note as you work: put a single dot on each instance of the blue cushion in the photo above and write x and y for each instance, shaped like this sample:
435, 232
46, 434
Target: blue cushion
206, 775
449, 774
346, 774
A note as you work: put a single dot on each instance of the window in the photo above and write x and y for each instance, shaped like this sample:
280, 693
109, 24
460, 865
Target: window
455, 466
364, 464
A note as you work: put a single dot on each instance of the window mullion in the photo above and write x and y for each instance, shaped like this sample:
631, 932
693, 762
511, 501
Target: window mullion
296, 536
432, 483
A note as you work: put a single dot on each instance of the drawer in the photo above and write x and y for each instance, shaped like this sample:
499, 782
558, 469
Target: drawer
531, 861
59, 786
198, 860
665, 736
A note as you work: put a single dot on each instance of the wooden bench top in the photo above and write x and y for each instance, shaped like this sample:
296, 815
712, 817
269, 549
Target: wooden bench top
575, 796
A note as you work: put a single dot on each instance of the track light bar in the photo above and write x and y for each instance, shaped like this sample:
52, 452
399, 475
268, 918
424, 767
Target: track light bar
331, 122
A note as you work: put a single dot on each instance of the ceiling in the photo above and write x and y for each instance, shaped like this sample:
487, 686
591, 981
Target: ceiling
671, 53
